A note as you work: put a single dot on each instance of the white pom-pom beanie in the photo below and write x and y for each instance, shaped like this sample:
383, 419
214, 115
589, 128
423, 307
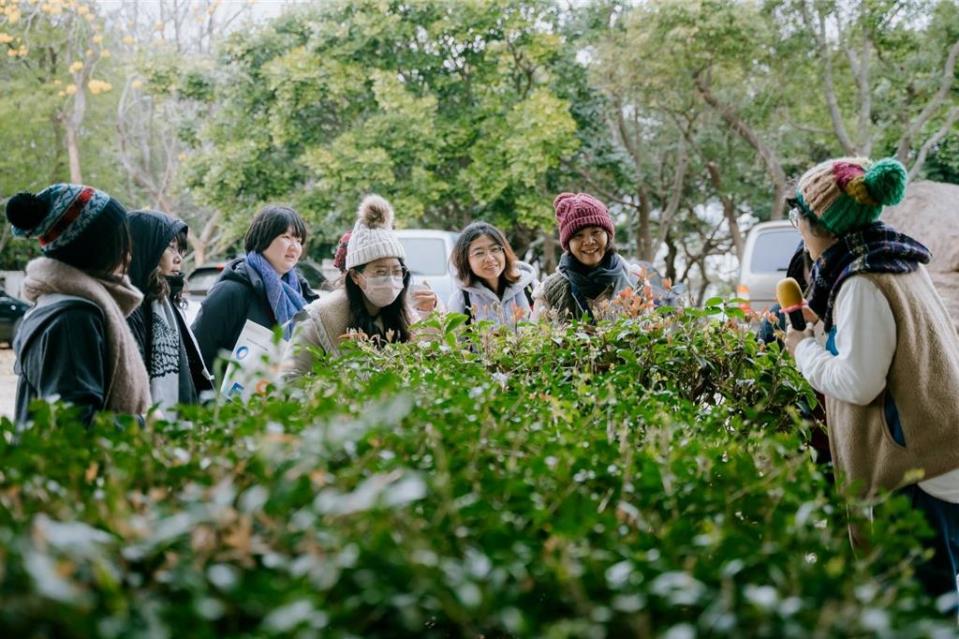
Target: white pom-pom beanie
373, 236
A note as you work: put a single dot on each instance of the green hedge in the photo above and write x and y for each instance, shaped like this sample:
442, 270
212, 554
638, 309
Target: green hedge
641, 478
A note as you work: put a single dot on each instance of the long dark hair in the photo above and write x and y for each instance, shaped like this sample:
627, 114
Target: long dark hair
157, 285
460, 256
395, 317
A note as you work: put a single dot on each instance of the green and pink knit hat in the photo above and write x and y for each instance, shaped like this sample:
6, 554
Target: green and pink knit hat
845, 194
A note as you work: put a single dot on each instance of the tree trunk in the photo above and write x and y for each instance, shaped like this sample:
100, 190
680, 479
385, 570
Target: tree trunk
679, 180
729, 208
701, 294
671, 253
72, 122
770, 160
931, 108
818, 31
644, 239
73, 153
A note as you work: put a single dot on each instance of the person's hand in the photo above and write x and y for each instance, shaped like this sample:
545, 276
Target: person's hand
793, 337
809, 314
424, 299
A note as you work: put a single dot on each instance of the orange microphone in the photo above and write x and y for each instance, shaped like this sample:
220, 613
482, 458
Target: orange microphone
791, 302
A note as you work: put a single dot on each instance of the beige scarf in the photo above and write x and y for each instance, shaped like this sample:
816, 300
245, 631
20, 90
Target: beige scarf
127, 384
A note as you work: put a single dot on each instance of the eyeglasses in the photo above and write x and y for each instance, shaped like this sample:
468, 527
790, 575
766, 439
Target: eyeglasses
481, 254
794, 215
385, 272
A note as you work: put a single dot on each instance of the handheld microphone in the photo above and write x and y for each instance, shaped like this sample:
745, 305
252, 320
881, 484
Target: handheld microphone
791, 302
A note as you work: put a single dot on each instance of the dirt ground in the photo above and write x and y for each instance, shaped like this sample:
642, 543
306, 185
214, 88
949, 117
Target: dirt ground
8, 382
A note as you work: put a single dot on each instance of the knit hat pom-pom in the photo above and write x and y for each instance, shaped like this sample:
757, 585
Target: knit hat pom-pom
376, 212
559, 199
26, 211
886, 181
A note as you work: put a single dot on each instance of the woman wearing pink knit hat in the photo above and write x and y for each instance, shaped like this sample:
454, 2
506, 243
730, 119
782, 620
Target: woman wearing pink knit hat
589, 271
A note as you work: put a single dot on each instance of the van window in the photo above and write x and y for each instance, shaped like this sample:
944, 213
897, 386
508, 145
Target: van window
425, 256
773, 250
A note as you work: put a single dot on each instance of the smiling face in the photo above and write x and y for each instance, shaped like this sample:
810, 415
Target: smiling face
487, 260
588, 245
171, 261
284, 251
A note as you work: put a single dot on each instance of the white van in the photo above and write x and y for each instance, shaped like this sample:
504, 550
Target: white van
769, 247
428, 258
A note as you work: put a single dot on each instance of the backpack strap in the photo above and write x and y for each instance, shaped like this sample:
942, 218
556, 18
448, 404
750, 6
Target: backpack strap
467, 306
528, 292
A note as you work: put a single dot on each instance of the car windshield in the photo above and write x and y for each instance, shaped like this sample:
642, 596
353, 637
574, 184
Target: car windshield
425, 256
773, 250
202, 280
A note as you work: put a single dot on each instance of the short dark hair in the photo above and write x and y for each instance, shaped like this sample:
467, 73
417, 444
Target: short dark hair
395, 317
271, 222
460, 256
102, 247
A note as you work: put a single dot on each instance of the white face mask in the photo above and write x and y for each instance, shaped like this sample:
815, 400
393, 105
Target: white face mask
382, 291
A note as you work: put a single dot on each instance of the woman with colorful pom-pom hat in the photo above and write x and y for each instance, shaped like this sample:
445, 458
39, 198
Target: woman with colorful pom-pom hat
887, 357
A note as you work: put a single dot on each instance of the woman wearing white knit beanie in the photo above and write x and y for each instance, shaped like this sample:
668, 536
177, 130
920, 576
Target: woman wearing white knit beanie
373, 299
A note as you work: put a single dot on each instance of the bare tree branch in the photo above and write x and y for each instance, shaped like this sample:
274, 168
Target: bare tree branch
935, 102
829, 89
679, 179
933, 140
736, 123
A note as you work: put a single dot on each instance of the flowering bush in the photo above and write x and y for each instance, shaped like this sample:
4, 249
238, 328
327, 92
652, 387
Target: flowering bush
646, 477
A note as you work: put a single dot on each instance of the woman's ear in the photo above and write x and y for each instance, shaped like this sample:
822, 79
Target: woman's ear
353, 275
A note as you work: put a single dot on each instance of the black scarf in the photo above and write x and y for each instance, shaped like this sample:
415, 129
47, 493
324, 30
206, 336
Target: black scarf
588, 283
876, 248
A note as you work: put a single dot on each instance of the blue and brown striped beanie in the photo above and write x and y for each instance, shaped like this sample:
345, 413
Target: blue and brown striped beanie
59, 214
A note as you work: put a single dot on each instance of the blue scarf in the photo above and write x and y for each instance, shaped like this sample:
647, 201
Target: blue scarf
876, 248
282, 293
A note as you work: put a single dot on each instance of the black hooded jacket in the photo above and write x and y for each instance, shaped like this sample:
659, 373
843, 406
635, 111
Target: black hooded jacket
239, 295
151, 233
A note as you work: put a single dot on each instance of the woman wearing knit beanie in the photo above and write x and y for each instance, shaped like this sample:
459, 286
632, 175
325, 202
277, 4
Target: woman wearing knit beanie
75, 343
589, 271
169, 349
372, 300
262, 286
887, 357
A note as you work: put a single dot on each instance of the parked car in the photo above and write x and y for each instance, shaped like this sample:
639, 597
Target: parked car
11, 310
198, 284
428, 258
766, 254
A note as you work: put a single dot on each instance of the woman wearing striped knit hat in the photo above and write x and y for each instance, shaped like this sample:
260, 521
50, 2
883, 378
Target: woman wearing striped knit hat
75, 343
887, 359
